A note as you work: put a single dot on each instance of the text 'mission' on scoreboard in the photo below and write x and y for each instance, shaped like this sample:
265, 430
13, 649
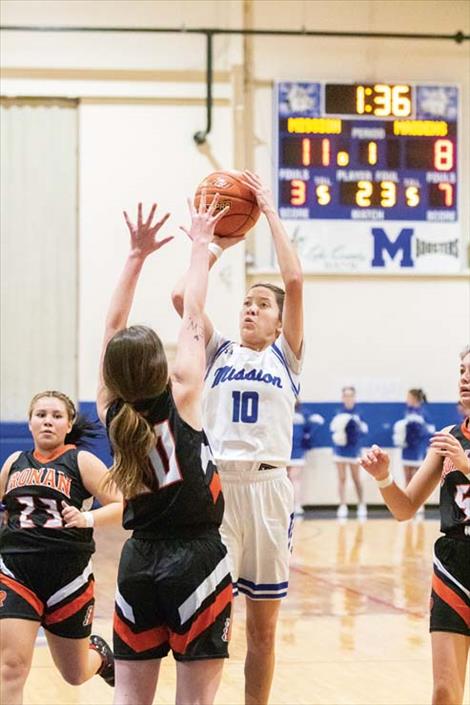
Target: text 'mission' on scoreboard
370, 154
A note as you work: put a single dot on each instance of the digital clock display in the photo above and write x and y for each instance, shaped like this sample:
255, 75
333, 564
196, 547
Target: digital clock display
384, 149
379, 99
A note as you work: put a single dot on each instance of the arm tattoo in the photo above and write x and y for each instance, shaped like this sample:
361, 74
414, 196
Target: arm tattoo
196, 327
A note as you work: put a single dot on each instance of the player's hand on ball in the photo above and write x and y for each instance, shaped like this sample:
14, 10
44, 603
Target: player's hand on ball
73, 517
143, 233
447, 446
376, 462
263, 194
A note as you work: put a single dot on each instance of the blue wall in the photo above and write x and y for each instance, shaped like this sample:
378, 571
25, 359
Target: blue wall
379, 416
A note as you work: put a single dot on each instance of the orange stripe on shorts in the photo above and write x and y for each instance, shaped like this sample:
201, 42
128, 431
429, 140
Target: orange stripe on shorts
142, 641
451, 598
179, 642
71, 608
25, 593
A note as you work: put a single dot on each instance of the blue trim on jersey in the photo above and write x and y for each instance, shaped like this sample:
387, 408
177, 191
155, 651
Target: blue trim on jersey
280, 356
217, 354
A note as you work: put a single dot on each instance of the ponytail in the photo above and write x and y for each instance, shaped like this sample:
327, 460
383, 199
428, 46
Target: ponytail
83, 431
132, 439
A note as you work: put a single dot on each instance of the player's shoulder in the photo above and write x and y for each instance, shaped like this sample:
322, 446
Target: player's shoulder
12, 458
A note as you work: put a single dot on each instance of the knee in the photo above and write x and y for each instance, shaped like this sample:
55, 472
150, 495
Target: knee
14, 668
446, 693
261, 638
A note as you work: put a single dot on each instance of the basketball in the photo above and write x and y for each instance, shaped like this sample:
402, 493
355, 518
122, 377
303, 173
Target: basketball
243, 208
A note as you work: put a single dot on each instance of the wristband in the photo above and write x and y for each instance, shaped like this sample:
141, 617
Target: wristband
89, 519
386, 481
216, 250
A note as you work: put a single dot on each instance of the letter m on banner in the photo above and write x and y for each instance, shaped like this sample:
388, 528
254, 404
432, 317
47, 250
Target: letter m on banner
402, 245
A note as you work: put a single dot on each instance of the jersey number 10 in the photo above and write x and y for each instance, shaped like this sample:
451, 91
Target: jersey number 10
245, 407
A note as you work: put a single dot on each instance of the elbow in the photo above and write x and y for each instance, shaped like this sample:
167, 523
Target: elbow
177, 300
404, 514
294, 281
401, 518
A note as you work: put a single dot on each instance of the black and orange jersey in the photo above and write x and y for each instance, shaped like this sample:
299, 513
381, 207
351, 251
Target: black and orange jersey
454, 500
35, 489
184, 491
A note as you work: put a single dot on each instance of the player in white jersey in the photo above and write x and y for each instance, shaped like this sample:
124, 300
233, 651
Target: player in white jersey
249, 399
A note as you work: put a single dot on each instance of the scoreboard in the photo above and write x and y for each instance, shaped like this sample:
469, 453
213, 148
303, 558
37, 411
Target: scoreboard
367, 151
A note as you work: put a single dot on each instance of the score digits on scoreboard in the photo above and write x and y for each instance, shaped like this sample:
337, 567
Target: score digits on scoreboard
367, 151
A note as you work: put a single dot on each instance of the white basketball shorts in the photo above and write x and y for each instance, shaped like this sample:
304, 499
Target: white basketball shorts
257, 528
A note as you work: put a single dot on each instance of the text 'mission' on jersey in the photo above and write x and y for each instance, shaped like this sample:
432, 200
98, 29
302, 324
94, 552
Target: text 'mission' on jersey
35, 490
455, 490
184, 486
249, 399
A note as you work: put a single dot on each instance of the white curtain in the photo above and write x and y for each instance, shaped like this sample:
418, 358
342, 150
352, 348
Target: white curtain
39, 251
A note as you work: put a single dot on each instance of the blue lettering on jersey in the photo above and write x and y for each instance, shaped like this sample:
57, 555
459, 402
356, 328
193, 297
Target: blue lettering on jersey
228, 373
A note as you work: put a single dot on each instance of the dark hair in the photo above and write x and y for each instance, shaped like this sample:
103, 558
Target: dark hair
134, 368
279, 295
82, 431
419, 395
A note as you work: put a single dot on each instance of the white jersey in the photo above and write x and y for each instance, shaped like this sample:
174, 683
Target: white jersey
249, 399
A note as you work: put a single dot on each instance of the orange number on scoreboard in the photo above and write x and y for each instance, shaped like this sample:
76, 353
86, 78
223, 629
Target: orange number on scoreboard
306, 152
448, 193
443, 155
297, 192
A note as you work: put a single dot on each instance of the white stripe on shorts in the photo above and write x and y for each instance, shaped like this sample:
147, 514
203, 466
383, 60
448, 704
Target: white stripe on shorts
5, 570
208, 586
124, 606
71, 587
440, 567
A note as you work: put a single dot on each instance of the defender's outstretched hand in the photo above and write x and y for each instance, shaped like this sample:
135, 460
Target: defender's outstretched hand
204, 219
143, 234
376, 462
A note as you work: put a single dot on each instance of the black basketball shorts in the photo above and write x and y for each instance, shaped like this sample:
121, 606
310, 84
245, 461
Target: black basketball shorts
55, 589
450, 596
173, 594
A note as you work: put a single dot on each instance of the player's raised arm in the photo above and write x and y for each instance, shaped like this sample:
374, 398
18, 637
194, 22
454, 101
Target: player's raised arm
142, 243
218, 245
188, 368
289, 264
